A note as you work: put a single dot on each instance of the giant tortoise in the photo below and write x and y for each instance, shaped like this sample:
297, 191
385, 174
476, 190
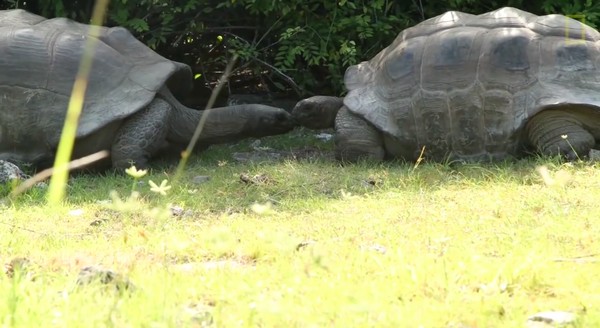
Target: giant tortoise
130, 107
470, 88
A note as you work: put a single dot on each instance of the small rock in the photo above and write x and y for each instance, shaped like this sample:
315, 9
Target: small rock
176, 210
199, 179
551, 318
90, 274
324, 136
10, 172
179, 211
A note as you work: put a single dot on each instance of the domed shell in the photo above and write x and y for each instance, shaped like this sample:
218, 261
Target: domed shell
464, 85
39, 59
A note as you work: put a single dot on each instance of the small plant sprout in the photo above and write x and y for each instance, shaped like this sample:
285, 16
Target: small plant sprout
420, 159
136, 174
162, 189
565, 138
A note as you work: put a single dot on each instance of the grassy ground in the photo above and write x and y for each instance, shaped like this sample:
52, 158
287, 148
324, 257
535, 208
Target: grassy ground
309, 243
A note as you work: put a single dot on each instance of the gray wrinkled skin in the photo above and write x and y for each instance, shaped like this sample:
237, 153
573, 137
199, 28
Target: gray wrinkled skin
317, 112
130, 107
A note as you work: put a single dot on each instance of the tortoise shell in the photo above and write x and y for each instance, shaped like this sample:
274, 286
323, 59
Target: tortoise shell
464, 85
39, 60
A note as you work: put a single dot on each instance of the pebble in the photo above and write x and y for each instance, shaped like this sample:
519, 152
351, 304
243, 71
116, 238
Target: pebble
180, 212
10, 172
324, 136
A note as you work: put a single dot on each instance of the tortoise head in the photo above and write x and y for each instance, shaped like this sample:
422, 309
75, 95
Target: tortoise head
263, 120
317, 112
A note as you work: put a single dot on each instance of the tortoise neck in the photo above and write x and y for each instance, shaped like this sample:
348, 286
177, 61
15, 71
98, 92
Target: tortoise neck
219, 125
184, 120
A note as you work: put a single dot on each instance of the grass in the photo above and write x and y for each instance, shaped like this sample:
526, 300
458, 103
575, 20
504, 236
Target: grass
315, 244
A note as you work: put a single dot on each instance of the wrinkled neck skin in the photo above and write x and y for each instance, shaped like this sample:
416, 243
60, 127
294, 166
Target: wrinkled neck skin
221, 124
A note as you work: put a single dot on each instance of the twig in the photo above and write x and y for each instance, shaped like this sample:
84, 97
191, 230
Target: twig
43, 175
419, 159
268, 30
287, 78
196, 136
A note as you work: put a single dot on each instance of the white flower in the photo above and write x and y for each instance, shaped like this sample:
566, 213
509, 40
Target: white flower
162, 189
134, 172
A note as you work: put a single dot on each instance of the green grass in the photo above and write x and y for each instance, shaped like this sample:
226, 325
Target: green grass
364, 245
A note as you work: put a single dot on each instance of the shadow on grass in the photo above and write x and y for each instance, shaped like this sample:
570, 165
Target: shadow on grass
291, 182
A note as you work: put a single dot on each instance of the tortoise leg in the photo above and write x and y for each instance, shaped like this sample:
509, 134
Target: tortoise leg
556, 132
141, 135
356, 139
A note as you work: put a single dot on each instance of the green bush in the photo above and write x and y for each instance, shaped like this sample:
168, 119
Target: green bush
309, 42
